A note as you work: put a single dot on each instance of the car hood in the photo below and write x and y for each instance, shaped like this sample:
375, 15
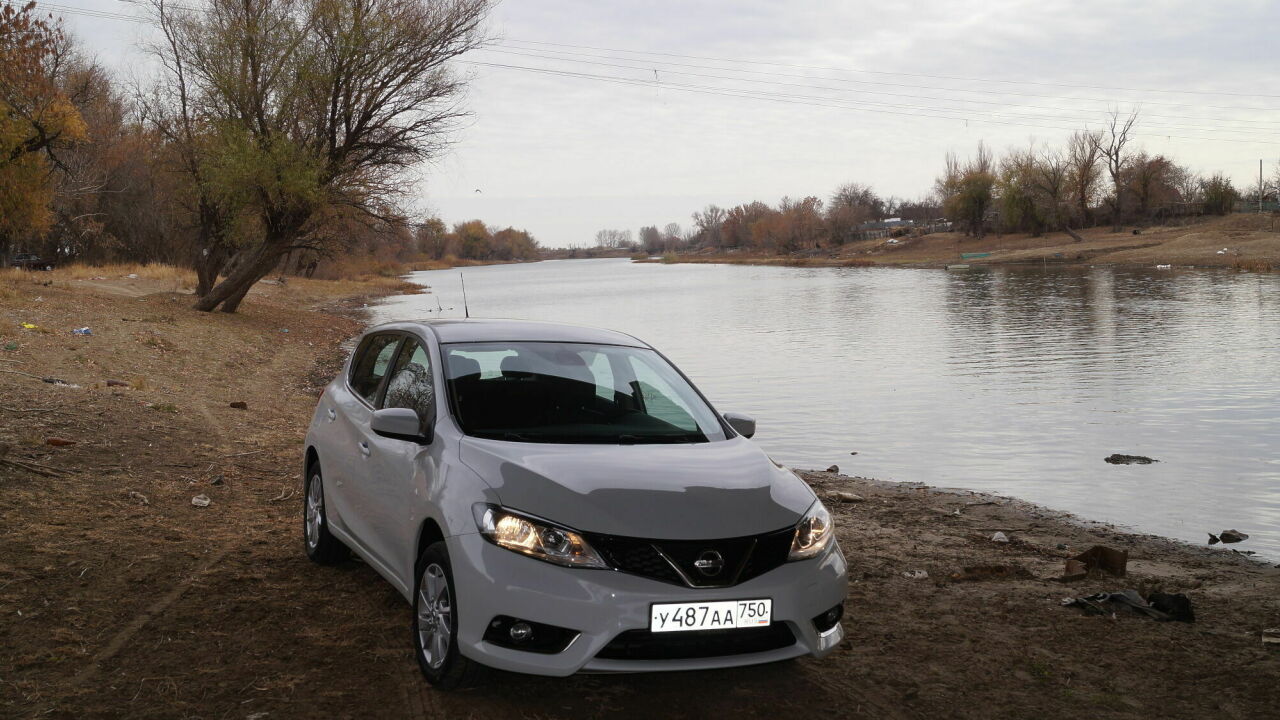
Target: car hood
699, 491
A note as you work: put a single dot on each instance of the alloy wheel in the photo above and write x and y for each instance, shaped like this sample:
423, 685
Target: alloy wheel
435, 610
315, 511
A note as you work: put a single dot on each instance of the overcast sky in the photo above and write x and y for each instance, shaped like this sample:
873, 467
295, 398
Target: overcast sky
841, 93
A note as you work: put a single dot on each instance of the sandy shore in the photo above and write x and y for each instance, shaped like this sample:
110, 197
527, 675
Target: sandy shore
120, 598
1251, 242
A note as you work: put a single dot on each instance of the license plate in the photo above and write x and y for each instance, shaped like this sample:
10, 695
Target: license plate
719, 615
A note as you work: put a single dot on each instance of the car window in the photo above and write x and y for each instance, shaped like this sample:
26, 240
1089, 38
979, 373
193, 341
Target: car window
573, 393
410, 385
371, 365
658, 398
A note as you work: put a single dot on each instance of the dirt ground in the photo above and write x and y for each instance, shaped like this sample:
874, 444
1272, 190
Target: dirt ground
119, 598
1251, 242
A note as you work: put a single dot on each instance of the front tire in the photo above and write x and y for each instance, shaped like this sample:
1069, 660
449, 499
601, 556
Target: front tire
322, 547
435, 623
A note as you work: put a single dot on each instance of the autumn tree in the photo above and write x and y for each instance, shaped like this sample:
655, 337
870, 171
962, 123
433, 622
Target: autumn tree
307, 109
37, 119
851, 206
968, 191
651, 239
709, 222
1219, 194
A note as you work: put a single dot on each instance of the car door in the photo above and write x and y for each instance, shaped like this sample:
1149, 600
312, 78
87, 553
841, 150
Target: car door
353, 406
399, 469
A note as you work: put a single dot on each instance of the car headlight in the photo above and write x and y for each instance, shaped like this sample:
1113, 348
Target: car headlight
536, 538
813, 534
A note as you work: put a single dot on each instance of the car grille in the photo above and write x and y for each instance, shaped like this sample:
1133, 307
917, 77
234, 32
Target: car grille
645, 645
674, 561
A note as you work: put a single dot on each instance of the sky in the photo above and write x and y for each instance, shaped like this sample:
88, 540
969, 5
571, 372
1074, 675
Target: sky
695, 102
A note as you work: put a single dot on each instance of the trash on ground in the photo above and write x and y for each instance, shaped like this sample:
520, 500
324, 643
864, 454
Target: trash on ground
82, 331
1271, 636
1000, 537
1176, 605
1098, 557
916, 575
833, 469
11, 346
142, 499
1164, 267
117, 383
218, 480
240, 405
284, 330
58, 442
30, 326
201, 500
845, 496
132, 276
54, 381
1121, 459
990, 572
1108, 603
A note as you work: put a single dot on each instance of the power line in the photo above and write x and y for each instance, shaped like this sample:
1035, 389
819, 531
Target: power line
904, 85
892, 94
782, 99
884, 72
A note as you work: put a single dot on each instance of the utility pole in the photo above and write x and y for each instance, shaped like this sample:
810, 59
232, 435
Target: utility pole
1260, 186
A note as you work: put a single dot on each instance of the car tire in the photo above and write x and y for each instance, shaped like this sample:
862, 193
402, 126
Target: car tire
434, 610
322, 547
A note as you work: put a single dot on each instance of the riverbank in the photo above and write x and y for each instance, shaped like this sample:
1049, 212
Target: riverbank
120, 598
1250, 242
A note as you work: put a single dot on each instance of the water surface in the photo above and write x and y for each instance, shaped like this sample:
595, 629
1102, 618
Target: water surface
1015, 380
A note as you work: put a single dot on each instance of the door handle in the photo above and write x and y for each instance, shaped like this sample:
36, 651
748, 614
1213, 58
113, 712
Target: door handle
333, 414
364, 448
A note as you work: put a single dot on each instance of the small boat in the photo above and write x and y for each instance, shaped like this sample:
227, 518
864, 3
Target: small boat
957, 266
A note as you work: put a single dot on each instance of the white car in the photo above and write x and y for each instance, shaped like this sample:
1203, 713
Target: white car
555, 499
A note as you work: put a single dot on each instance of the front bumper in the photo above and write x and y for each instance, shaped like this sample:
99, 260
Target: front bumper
601, 604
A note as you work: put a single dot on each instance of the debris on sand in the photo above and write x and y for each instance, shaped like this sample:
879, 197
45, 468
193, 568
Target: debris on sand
999, 537
1121, 459
846, 497
1098, 557
240, 405
117, 383
1271, 636
1108, 603
58, 442
916, 575
201, 501
142, 499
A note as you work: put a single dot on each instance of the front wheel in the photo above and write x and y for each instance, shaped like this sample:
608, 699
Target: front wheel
322, 547
435, 623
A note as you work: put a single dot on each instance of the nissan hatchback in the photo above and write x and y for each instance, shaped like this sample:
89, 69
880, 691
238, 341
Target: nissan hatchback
556, 499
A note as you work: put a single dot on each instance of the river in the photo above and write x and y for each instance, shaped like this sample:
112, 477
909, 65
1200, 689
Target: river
1011, 380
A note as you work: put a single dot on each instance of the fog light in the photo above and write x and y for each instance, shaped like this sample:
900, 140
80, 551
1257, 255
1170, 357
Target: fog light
828, 619
520, 632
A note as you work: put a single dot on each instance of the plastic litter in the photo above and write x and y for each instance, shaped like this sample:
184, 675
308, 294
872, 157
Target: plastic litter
142, 499
132, 276
845, 496
1000, 537
1271, 636
201, 501
82, 331
11, 346
29, 326
240, 405
916, 575
58, 442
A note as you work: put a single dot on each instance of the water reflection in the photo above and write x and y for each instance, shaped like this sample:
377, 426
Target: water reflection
1013, 380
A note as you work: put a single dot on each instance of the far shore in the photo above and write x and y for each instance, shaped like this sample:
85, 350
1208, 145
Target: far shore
121, 598
1240, 242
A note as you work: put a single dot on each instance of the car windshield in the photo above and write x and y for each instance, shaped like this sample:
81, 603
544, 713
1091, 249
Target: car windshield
573, 393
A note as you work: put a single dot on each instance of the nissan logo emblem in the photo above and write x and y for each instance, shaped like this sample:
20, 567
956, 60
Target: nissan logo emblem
709, 563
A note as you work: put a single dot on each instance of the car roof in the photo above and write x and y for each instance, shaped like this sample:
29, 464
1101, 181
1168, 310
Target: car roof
477, 330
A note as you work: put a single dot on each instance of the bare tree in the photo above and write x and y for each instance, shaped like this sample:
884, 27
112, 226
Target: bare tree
1051, 175
1110, 144
1082, 157
710, 222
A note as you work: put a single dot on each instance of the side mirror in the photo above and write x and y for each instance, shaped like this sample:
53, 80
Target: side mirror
744, 425
401, 424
